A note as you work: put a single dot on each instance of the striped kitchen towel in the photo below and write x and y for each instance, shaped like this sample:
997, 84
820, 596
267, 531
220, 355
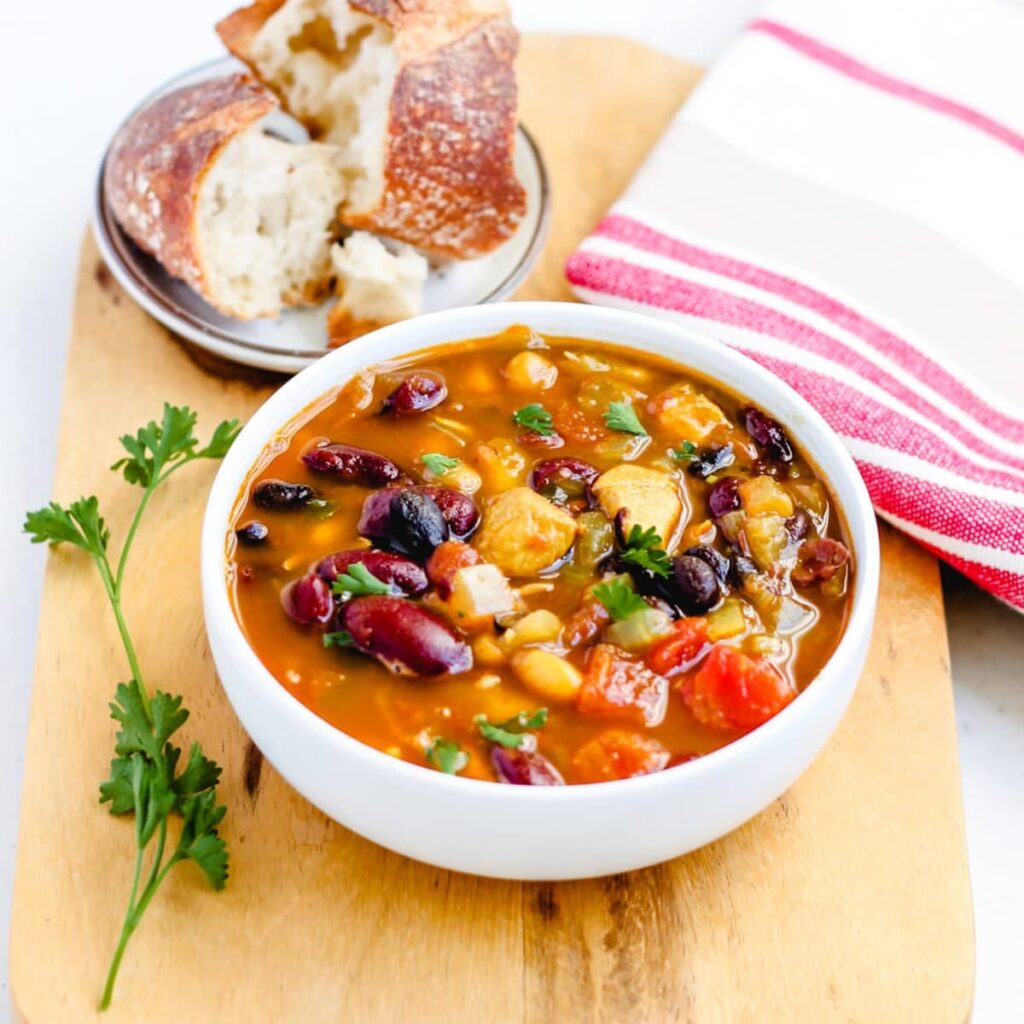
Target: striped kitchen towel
842, 199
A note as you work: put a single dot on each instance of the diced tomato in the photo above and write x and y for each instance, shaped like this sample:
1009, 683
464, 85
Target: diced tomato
575, 425
618, 754
585, 623
446, 560
736, 692
681, 648
615, 683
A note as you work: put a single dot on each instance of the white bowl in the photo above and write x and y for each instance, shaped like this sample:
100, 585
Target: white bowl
517, 831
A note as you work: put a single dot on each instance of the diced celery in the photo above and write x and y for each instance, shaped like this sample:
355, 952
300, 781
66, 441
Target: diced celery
640, 630
595, 542
726, 621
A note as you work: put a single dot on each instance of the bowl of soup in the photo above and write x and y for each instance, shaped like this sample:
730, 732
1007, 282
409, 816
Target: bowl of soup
539, 590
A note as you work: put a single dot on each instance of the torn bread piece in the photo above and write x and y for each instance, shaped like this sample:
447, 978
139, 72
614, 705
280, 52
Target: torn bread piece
245, 219
377, 284
419, 97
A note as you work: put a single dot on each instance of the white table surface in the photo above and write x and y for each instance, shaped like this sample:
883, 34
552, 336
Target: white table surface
69, 73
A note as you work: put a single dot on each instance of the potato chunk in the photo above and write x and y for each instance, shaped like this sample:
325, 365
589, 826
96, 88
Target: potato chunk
523, 533
651, 498
685, 412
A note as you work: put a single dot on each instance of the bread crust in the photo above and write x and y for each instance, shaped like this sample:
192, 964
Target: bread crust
448, 169
158, 160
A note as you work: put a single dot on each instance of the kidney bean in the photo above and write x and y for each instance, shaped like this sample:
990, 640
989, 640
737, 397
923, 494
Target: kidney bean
819, 559
798, 524
563, 479
308, 599
278, 494
711, 460
724, 496
457, 508
718, 563
524, 768
401, 572
695, 586
534, 440
419, 392
405, 637
252, 533
767, 434
353, 465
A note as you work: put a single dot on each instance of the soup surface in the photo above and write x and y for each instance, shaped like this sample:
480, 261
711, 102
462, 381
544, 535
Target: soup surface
539, 560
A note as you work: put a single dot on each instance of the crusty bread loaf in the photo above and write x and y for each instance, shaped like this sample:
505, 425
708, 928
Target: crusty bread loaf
240, 216
420, 98
376, 285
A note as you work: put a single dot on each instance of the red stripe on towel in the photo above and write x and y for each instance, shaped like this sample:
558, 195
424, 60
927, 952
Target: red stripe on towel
633, 232
864, 73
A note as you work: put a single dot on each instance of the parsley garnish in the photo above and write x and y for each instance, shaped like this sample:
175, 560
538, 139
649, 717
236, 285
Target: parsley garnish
619, 597
446, 756
340, 638
536, 418
643, 548
437, 463
146, 778
622, 416
685, 453
357, 579
511, 733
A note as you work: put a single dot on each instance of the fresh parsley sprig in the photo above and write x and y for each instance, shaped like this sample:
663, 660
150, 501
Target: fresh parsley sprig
643, 548
619, 597
339, 638
357, 579
146, 775
439, 464
621, 416
535, 418
686, 452
514, 731
446, 756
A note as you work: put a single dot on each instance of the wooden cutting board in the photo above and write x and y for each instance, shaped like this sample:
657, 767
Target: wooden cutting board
848, 899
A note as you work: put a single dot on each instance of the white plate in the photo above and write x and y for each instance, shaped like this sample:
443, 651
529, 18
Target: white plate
298, 337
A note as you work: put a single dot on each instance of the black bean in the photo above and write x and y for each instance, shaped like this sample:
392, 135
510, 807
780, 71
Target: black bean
695, 584
417, 524
278, 494
718, 563
252, 533
710, 460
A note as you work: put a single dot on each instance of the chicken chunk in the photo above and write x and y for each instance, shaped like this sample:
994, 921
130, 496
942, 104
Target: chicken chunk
686, 413
651, 498
523, 532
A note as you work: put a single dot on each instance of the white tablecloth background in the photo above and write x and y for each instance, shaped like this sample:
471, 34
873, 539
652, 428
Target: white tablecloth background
70, 71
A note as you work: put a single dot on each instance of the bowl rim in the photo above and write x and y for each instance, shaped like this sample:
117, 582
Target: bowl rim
464, 323
116, 247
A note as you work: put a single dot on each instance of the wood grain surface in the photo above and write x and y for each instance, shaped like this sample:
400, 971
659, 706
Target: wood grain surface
847, 900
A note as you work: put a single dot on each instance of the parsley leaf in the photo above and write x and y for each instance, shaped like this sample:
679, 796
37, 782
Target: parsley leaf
357, 579
622, 416
643, 548
146, 778
80, 524
437, 463
687, 452
535, 418
513, 732
340, 638
446, 756
171, 443
619, 597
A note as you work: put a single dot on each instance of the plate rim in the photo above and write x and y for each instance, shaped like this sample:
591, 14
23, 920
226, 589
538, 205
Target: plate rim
112, 241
